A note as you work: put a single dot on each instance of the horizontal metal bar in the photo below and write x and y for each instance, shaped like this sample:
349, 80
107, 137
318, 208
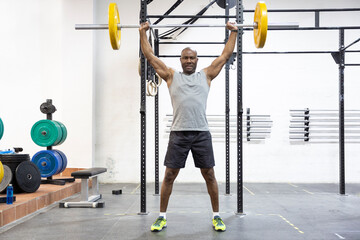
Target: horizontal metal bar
253, 25
191, 16
191, 42
219, 130
324, 131
250, 120
287, 52
312, 10
234, 126
325, 115
320, 141
301, 52
352, 64
234, 115
325, 137
234, 135
177, 56
322, 120
231, 116
309, 28
91, 26
325, 126
120, 26
321, 110
251, 11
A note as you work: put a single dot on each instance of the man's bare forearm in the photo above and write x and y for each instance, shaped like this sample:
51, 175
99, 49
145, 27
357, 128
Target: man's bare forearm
229, 46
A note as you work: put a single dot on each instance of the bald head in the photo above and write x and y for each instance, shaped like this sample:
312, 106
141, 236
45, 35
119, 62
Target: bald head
188, 49
188, 60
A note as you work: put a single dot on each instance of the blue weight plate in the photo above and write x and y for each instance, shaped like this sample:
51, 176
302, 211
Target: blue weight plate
64, 160
48, 162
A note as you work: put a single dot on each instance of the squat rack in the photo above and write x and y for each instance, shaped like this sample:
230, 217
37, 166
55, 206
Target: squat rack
144, 66
339, 58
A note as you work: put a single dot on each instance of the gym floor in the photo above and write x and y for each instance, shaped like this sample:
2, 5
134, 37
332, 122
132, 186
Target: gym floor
271, 211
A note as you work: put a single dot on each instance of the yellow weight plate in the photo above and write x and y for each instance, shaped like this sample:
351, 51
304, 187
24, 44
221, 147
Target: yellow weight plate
1, 172
260, 17
114, 32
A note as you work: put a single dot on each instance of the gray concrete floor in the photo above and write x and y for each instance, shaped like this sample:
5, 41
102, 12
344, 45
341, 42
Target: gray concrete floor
271, 211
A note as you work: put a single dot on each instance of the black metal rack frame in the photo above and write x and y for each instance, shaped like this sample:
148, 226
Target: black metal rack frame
340, 60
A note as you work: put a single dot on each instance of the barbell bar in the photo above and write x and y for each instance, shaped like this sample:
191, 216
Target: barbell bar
260, 25
120, 26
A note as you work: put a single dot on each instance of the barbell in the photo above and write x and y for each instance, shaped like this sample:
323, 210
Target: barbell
260, 25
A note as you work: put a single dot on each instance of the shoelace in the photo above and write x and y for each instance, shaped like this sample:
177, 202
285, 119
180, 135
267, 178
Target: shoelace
219, 221
158, 221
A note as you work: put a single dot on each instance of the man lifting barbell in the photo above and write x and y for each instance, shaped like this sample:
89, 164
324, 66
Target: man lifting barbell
189, 131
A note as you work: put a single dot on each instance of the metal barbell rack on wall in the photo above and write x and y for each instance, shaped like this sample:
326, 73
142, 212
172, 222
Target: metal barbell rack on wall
322, 126
256, 127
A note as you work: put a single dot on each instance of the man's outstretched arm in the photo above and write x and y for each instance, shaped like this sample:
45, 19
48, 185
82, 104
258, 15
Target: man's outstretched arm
159, 66
214, 69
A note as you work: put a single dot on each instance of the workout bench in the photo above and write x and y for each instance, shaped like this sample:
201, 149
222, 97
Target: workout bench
86, 200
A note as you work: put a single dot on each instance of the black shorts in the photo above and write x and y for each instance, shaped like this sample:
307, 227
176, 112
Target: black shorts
181, 142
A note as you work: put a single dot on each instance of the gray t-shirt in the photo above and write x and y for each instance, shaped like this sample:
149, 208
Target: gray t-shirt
188, 97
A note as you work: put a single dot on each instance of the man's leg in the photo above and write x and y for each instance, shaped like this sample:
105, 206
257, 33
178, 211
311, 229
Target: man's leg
212, 187
166, 187
213, 190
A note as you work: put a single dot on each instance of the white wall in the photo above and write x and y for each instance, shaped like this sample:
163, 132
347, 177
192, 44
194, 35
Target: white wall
117, 93
97, 90
42, 57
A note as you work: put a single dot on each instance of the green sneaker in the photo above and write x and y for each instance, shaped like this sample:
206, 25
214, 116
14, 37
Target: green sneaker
159, 224
218, 224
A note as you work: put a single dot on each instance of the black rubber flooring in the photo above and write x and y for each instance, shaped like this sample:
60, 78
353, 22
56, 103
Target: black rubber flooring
271, 211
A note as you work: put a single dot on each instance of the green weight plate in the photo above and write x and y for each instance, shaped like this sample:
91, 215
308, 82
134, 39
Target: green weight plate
1, 128
57, 142
46, 133
64, 132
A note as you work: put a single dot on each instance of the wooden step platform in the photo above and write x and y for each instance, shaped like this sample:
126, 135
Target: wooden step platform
27, 203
